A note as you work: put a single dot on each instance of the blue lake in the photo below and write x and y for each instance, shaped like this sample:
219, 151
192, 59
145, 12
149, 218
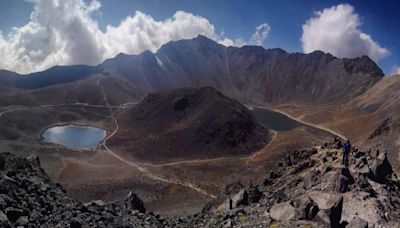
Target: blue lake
80, 137
274, 120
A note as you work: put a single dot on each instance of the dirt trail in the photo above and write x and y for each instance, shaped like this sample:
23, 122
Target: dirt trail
301, 121
312, 125
250, 157
60, 105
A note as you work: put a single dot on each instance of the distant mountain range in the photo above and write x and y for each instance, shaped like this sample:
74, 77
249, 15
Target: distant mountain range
248, 73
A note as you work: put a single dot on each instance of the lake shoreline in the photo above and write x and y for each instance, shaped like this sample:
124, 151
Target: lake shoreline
74, 125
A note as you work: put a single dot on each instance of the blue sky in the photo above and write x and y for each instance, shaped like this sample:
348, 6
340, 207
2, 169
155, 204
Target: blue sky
237, 19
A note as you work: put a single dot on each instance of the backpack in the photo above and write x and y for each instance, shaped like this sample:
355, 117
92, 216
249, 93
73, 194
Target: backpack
346, 148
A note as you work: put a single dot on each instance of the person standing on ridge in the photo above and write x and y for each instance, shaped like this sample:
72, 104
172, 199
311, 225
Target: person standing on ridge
346, 152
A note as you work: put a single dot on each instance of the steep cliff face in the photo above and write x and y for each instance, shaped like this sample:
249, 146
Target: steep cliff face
188, 123
279, 77
250, 72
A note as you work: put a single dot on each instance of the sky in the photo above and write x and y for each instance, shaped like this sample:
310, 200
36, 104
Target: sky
38, 34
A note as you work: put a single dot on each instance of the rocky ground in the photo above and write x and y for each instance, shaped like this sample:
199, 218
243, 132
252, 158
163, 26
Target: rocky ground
28, 198
311, 188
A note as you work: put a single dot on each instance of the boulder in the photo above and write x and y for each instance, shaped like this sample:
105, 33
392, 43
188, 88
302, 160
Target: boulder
311, 179
22, 221
359, 154
302, 166
240, 198
344, 179
4, 222
305, 208
283, 211
13, 213
330, 205
358, 223
228, 223
34, 160
322, 217
254, 194
133, 202
380, 168
325, 200
342, 183
335, 179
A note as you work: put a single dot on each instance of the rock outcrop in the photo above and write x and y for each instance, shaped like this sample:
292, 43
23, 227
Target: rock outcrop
312, 188
28, 198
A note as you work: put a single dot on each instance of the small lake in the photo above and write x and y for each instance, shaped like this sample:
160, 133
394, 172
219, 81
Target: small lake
274, 120
81, 137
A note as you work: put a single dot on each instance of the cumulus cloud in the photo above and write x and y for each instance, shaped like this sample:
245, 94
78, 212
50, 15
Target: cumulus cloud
64, 33
337, 30
59, 32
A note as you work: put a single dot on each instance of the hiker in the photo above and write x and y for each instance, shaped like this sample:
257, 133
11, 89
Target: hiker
346, 152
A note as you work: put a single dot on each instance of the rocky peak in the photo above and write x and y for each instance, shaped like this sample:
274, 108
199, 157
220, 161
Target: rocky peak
363, 65
121, 58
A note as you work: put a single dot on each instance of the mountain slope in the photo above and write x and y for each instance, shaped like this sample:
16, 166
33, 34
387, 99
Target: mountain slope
250, 72
187, 123
53, 76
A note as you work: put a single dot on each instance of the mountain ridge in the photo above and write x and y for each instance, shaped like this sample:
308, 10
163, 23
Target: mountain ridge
248, 72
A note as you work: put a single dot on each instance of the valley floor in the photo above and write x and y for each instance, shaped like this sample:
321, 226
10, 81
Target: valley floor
106, 174
171, 188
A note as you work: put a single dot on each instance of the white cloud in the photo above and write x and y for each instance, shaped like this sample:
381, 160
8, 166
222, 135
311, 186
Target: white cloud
140, 32
260, 35
230, 42
64, 33
395, 70
337, 30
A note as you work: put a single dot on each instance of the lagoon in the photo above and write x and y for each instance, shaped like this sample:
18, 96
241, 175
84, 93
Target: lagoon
274, 120
79, 137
